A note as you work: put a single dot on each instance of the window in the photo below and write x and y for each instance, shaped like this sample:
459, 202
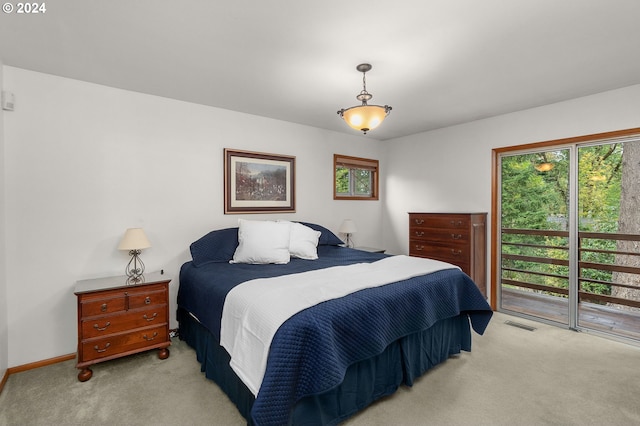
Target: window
565, 244
355, 179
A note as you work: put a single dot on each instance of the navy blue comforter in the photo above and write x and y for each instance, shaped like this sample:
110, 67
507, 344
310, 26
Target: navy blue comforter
335, 333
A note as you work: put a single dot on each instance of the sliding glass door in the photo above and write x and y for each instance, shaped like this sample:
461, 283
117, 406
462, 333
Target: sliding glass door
535, 234
608, 243
569, 244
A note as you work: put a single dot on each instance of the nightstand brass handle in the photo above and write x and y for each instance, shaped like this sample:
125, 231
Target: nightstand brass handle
148, 339
155, 314
456, 252
419, 233
102, 350
419, 248
103, 307
419, 221
147, 300
101, 328
456, 236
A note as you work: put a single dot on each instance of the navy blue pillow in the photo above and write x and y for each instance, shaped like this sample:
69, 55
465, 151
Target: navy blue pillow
327, 238
216, 246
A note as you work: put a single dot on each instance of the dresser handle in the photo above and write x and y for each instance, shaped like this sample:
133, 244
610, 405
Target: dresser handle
419, 233
155, 314
419, 248
103, 307
456, 223
148, 339
456, 252
456, 236
419, 221
147, 300
102, 350
101, 328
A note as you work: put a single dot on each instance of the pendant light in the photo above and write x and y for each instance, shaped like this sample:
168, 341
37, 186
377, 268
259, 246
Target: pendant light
364, 117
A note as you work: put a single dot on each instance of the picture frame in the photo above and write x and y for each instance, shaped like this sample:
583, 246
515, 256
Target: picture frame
257, 182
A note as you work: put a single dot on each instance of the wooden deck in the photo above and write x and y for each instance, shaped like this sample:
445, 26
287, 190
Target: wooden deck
591, 316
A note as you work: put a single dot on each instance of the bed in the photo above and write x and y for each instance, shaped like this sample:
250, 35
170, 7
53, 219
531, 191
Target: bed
335, 357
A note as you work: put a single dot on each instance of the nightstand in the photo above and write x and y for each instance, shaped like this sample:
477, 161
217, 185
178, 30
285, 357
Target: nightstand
371, 249
116, 319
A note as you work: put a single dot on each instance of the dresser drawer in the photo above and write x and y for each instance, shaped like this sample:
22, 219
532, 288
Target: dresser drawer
120, 343
454, 253
439, 234
109, 324
437, 221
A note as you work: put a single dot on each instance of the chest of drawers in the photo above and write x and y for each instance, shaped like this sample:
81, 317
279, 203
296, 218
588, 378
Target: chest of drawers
116, 319
457, 238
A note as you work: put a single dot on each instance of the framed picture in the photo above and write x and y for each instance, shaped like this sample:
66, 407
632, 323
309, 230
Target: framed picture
255, 182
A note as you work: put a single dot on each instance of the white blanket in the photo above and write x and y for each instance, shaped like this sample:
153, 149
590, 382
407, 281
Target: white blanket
254, 310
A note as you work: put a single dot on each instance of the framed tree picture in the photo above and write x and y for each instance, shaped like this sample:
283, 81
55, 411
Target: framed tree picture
255, 182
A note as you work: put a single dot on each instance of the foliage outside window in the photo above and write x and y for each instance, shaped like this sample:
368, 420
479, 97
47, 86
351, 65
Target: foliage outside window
355, 178
535, 199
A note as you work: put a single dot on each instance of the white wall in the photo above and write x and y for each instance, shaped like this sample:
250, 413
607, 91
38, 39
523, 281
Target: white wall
449, 170
4, 333
84, 162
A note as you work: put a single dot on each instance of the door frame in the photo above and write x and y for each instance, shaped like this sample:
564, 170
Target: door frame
495, 199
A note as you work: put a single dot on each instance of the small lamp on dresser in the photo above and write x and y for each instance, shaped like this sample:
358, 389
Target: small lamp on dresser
135, 241
347, 228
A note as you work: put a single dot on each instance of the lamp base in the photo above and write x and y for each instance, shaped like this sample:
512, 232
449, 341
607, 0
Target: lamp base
349, 241
135, 268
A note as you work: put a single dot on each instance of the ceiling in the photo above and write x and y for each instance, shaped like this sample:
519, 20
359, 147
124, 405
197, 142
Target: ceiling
436, 62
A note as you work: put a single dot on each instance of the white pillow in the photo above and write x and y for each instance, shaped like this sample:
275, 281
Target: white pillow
304, 241
261, 242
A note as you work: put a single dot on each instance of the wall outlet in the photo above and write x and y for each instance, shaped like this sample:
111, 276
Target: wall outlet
8, 101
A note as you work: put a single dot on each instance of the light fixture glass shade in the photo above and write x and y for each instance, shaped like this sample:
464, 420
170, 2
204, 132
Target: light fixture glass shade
365, 117
543, 167
348, 227
134, 239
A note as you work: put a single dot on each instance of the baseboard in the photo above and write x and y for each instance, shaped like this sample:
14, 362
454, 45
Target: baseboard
38, 364
4, 380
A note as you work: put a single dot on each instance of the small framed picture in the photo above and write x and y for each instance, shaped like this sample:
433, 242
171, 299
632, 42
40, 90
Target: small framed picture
255, 182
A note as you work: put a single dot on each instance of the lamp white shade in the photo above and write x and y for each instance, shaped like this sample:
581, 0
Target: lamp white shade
134, 239
348, 227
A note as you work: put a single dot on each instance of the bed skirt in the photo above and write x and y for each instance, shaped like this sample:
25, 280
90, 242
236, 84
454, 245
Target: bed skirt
365, 381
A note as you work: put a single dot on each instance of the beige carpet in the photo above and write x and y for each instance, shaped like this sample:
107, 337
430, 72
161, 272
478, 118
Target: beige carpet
549, 376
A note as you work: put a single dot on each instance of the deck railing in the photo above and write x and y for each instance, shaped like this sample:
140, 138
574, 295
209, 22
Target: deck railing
548, 262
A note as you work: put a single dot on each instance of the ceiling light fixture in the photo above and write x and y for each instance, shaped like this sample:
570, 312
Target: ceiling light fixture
364, 117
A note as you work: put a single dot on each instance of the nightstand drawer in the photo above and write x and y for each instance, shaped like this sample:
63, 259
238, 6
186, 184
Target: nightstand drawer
110, 324
121, 343
152, 295
106, 304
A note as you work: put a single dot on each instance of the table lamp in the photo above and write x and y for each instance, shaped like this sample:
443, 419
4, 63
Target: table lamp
134, 240
347, 228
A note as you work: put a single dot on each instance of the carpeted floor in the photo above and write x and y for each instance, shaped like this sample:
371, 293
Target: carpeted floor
549, 376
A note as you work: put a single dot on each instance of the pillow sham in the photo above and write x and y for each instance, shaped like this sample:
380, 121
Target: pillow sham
217, 246
261, 242
303, 242
327, 238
